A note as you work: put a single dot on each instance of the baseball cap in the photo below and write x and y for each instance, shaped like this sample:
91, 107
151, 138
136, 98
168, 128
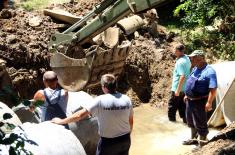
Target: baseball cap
49, 75
197, 53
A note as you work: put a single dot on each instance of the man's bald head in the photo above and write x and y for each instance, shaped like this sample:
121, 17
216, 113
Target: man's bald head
49, 76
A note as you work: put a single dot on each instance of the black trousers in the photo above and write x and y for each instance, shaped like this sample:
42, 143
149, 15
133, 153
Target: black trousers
176, 103
197, 116
114, 146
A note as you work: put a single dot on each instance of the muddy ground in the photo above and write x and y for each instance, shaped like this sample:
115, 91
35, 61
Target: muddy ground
147, 74
225, 145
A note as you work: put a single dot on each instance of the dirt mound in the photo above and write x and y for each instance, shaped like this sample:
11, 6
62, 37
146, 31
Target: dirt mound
24, 40
149, 70
78, 8
24, 48
223, 144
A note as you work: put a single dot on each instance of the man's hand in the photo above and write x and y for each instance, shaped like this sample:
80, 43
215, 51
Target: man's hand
56, 120
185, 99
177, 93
208, 107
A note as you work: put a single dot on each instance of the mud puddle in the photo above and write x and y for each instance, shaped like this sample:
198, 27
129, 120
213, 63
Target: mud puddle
153, 134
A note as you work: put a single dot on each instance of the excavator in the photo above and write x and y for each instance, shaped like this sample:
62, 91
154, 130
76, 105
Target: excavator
81, 69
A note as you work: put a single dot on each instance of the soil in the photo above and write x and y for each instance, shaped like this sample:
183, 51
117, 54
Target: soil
147, 74
24, 46
223, 146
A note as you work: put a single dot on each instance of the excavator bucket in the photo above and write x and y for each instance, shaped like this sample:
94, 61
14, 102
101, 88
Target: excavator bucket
76, 74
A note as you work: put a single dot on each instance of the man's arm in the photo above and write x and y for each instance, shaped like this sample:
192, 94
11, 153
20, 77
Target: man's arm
180, 84
39, 96
211, 98
72, 118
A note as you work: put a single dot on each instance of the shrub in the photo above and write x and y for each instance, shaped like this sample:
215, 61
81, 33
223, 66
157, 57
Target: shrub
202, 12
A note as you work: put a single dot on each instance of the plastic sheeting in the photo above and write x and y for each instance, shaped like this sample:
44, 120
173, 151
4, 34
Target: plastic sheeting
50, 139
225, 72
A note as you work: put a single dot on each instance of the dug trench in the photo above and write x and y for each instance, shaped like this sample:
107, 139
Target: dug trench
146, 77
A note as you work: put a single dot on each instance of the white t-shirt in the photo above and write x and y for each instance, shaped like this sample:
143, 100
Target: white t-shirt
113, 112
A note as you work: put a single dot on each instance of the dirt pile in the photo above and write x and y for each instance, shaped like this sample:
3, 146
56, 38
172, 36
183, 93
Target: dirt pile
77, 8
149, 70
24, 40
23, 45
222, 144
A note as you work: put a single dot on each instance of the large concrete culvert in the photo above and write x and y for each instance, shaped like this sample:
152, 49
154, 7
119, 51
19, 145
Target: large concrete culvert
225, 99
85, 130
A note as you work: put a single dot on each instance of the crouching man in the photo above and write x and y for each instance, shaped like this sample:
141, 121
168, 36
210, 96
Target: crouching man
115, 118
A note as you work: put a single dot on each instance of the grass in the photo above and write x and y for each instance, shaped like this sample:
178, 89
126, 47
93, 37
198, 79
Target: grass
31, 5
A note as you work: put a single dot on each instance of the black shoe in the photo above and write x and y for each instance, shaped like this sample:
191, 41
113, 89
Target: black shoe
172, 119
190, 142
184, 120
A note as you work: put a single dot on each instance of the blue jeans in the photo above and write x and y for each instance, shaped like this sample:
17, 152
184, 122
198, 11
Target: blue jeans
114, 146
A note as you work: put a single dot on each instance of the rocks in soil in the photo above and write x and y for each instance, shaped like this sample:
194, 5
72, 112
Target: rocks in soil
35, 21
6, 14
221, 146
24, 45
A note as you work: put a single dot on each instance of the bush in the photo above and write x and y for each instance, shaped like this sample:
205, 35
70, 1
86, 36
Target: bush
203, 12
222, 46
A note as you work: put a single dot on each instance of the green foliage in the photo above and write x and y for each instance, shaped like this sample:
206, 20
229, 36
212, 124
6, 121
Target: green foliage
16, 142
7, 116
7, 91
222, 46
202, 12
31, 5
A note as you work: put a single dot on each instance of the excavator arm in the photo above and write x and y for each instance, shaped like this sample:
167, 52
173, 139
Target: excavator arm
76, 74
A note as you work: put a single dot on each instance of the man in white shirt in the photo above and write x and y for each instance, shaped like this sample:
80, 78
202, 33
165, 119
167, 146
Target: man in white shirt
115, 118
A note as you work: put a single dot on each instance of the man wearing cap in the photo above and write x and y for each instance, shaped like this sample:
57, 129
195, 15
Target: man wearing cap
54, 98
200, 92
180, 74
115, 118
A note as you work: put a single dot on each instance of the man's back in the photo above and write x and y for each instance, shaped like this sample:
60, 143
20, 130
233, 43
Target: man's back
113, 112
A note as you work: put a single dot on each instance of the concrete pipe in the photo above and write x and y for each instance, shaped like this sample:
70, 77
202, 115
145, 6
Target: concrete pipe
48, 138
85, 130
14, 120
225, 98
131, 24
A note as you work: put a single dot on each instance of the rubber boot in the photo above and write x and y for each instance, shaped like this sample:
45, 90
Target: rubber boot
193, 140
194, 134
202, 140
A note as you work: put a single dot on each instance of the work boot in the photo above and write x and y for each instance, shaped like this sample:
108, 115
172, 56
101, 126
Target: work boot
172, 119
184, 120
193, 140
202, 140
